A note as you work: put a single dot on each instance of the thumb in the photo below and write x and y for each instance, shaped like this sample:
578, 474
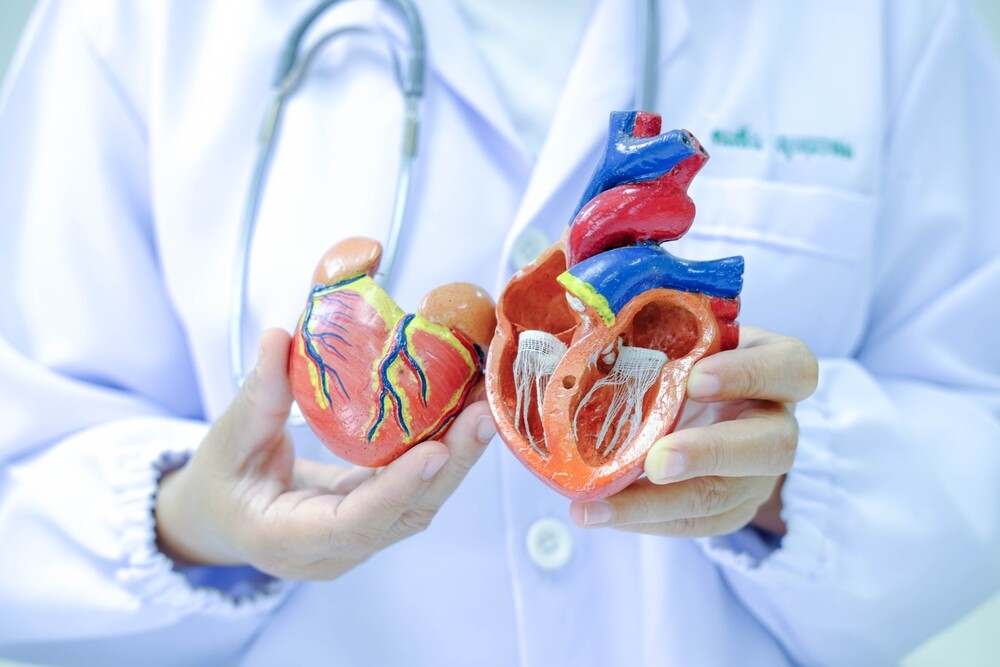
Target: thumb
256, 417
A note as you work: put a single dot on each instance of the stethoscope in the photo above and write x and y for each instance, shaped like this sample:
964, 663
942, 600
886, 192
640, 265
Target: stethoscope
292, 68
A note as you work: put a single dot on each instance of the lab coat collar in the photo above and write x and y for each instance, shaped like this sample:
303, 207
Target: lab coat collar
455, 59
452, 58
602, 80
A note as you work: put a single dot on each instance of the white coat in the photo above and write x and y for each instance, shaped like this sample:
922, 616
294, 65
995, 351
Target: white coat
854, 149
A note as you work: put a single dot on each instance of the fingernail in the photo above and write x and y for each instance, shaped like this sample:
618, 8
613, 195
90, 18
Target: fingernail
703, 385
485, 429
596, 513
434, 463
667, 464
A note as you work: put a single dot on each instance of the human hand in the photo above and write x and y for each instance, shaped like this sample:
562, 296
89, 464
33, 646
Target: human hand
717, 478
244, 498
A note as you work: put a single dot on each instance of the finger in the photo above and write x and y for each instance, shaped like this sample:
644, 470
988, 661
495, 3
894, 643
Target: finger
333, 479
398, 501
303, 534
466, 439
765, 366
760, 441
645, 503
702, 526
260, 408
377, 503
478, 392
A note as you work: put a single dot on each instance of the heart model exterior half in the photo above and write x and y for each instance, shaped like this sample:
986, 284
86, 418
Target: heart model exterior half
371, 380
596, 338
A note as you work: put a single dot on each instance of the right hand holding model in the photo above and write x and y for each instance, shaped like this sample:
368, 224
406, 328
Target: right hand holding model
244, 498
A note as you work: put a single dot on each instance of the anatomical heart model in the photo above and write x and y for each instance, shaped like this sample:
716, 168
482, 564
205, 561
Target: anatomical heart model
596, 338
371, 380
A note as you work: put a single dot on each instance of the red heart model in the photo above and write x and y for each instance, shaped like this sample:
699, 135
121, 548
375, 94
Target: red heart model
371, 380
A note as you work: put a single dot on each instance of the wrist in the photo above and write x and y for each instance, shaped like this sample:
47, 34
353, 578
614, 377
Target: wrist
181, 532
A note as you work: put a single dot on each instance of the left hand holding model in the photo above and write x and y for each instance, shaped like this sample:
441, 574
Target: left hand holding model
717, 478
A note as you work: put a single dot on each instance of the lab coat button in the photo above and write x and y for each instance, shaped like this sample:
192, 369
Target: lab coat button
529, 244
550, 544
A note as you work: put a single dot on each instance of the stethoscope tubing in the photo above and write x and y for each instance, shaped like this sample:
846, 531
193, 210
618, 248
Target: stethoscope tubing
291, 71
292, 68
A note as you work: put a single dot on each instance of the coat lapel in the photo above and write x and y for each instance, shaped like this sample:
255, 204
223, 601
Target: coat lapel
601, 80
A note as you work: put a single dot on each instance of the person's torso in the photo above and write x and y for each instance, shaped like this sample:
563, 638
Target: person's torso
792, 186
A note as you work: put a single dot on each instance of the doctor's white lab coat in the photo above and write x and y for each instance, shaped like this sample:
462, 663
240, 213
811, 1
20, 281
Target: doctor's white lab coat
855, 153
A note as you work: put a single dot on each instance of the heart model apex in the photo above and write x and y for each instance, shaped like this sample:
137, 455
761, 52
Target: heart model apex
596, 338
371, 380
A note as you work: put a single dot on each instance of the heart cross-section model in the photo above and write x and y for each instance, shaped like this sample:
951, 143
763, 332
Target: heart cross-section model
596, 338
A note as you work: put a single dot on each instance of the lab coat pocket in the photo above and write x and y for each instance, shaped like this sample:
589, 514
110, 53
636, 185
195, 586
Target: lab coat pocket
808, 253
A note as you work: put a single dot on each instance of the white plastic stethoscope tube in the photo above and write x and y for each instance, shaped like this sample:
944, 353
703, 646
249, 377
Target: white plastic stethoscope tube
292, 69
